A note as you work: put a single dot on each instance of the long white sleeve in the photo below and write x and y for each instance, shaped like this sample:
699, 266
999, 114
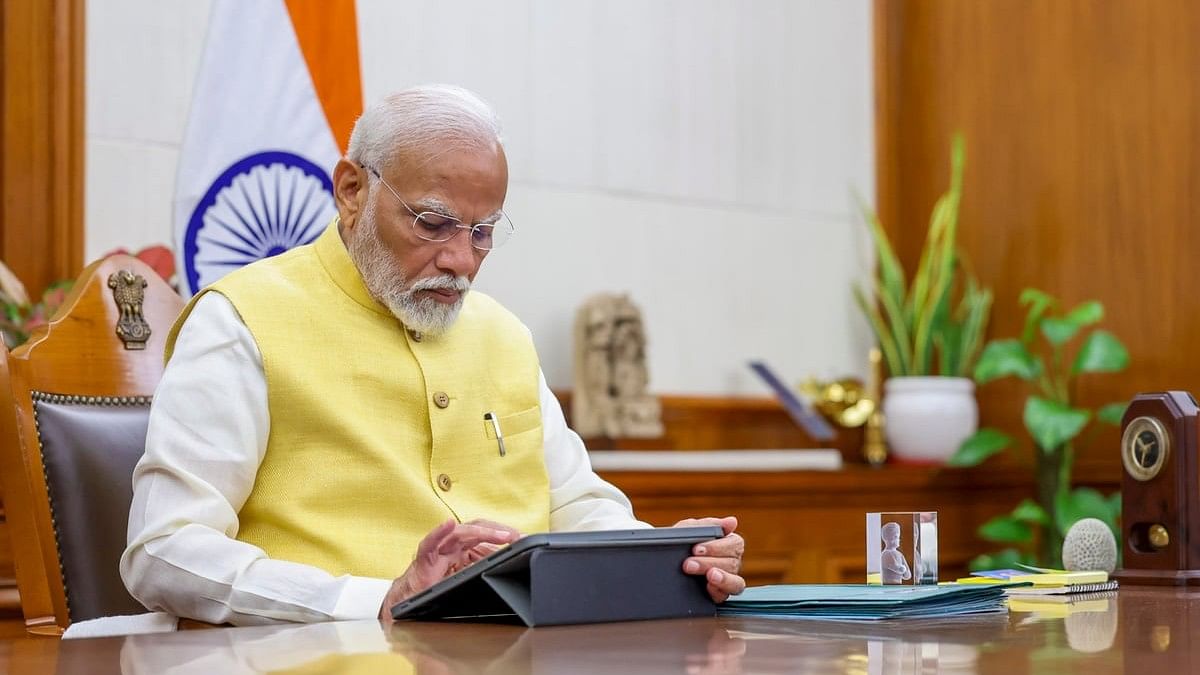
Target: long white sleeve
579, 499
207, 435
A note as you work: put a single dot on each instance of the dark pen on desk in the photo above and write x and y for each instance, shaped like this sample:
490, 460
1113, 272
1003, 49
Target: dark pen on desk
491, 417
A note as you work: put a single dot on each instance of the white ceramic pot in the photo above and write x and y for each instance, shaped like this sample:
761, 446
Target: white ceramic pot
927, 418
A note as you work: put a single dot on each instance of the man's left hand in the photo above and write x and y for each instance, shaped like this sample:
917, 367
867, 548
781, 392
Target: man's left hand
719, 560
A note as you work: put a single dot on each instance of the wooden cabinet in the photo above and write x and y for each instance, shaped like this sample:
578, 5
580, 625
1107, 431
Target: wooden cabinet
808, 526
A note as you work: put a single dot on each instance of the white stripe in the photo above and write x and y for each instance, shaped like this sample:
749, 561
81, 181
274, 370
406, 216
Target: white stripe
253, 94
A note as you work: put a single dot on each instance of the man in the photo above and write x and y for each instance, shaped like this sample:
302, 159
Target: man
323, 443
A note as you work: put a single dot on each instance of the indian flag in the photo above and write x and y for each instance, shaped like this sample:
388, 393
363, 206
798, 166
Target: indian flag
276, 96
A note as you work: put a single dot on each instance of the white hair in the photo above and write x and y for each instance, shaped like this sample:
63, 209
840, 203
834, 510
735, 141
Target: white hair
421, 123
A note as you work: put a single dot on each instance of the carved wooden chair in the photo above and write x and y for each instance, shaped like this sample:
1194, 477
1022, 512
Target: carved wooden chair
80, 389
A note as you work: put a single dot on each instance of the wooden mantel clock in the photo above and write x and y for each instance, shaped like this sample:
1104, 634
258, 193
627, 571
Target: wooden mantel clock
1160, 490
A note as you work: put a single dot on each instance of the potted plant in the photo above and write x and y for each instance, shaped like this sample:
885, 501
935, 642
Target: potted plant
930, 332
1054, 422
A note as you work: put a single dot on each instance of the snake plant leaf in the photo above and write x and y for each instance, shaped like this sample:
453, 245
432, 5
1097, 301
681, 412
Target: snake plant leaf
1101, 352
932, 281
1039, 303
896, 322
1002, 358
887, 342
1075, 505
1112, 413
1006, 530
1052, 423
981, 445
948, 340
974, 309
891, 272
1031, 512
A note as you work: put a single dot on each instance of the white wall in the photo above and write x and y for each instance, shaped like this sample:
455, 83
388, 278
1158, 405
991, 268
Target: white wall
696, 153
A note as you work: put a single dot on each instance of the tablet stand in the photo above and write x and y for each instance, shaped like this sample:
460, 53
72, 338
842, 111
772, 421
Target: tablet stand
551, 586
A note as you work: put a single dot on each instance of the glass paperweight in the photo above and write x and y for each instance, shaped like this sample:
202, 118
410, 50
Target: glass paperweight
899, 656
902, 548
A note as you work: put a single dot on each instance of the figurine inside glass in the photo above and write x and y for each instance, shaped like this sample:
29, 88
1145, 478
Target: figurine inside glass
902, 548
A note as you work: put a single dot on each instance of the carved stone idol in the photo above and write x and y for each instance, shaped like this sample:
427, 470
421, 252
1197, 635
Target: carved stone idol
611, 376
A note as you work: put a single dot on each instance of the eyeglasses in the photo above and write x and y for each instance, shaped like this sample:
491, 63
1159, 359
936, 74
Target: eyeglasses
432, 226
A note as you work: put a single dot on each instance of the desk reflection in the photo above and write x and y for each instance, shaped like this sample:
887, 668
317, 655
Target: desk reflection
687, 646
692, 646
1111, 635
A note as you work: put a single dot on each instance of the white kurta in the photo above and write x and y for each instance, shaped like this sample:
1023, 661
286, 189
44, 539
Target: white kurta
208, 432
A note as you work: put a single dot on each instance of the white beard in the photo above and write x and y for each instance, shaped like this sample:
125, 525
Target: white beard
388, 284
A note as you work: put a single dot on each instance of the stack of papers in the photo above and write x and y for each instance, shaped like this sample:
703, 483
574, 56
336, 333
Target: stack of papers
1038, 576
1048, 585
1062, 605
1062, 593
1051, 592
851, 602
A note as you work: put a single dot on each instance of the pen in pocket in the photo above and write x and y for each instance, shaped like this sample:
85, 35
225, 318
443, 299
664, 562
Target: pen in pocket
491, 417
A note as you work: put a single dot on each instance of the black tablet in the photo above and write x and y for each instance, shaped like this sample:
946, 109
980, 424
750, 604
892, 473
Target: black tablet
573, 577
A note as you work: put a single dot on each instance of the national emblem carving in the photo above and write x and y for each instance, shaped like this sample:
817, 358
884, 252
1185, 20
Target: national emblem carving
129, 291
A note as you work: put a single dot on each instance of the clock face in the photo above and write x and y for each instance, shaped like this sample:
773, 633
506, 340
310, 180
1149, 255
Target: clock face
1145, 446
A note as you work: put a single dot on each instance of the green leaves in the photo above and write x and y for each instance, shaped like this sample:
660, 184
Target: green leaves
981, 445
921, 327
1038, 302
1006, 530
1058, 330
891, 328
961, 335
1052, 423
1031, 512
1112, 413
1071, 507
1015, 527
1086, 313
1002, 358
1001, 560
1101, 352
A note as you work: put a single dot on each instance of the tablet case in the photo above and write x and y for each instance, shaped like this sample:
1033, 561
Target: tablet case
567, 579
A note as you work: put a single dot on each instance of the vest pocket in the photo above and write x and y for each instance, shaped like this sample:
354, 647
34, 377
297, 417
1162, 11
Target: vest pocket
516, 423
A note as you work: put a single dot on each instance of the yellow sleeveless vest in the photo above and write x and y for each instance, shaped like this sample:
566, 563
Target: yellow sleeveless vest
378, 434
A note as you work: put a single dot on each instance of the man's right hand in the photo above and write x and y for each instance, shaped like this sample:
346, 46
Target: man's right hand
448, 548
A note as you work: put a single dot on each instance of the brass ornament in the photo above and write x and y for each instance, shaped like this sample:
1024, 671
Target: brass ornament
1160, 638
1159, 536
1145, 448
129, 291
850, 403
844, 401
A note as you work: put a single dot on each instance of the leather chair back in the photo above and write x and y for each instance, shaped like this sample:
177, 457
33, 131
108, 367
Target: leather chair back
89, 448
81, 389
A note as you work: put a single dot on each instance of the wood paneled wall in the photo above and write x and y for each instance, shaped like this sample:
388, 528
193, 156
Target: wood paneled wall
41, 139
1082, 120
41, 162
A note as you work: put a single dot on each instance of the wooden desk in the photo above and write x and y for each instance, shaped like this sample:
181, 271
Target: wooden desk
1144, 631
808, 526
